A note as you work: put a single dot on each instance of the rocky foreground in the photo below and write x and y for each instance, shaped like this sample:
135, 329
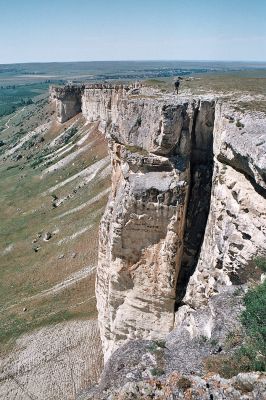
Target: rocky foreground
248, 386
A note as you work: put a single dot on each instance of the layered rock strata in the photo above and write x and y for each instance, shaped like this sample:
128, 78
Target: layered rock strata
177, 165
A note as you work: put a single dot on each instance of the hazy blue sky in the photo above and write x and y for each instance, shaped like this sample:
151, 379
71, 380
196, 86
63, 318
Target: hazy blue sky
84, 30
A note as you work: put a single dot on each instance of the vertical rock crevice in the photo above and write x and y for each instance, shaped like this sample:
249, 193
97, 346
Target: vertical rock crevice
201, 171
153, 227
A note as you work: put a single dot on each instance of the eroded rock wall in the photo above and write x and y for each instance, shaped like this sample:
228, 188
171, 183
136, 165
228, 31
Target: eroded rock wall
67, 100
173, 172
186, 212
236, 227
142, 231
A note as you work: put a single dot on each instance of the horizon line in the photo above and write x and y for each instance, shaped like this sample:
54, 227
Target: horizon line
135, 60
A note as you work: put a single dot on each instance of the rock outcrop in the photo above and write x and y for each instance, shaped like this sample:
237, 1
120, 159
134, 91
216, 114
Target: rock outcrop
68, 101
142, 231
236, 227
248, 386
187, 209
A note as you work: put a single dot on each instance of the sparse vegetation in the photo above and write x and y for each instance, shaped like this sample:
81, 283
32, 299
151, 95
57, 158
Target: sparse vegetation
239, 124
250, 353
156, 345
15, 326
260, 262
157, 83
183, 383
137, 149
233, 339
157, 372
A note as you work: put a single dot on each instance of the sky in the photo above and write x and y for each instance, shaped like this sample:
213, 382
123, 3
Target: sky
89, 30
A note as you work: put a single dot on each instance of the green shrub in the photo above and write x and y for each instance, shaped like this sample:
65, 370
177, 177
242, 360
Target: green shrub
160, 343
69, 134
11, 167
156, 345
136, 149
251, 352
36, 162
157, 371
254, 317
260, 262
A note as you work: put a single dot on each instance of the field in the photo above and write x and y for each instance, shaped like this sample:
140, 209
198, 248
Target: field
245, 90
15, 96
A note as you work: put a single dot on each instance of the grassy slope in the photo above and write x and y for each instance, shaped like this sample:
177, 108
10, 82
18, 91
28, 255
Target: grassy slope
26, 209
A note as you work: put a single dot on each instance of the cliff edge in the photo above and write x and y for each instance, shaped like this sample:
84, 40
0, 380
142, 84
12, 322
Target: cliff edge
178, 164
186, 213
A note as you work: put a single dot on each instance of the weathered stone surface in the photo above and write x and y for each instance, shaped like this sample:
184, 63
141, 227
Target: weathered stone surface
177, 164
236, 227
140, 240
142, 231
241, 143
203, 333
68, 101
248, 386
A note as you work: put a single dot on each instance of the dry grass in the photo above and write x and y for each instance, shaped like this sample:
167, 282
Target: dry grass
247, 89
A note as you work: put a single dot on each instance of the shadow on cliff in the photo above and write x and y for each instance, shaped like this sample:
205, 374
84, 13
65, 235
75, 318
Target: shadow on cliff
201, 171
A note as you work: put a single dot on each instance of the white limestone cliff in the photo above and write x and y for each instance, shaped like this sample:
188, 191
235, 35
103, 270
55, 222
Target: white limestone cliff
187, 209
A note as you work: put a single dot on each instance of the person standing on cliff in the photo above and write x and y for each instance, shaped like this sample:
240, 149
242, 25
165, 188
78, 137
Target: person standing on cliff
177, 84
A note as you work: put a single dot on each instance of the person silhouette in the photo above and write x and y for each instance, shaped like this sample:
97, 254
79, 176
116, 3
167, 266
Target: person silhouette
177, 84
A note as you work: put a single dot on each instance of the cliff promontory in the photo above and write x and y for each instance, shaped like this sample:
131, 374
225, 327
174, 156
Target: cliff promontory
186, 213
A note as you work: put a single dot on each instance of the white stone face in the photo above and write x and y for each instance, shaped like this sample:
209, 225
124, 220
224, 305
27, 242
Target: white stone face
67, 100
137, 269
236, 228
142, 230
142, 239
156, 142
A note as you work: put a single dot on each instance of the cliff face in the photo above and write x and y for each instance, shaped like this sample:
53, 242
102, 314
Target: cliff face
236, 226
68, 101
151, 195
153, 146
178, 165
